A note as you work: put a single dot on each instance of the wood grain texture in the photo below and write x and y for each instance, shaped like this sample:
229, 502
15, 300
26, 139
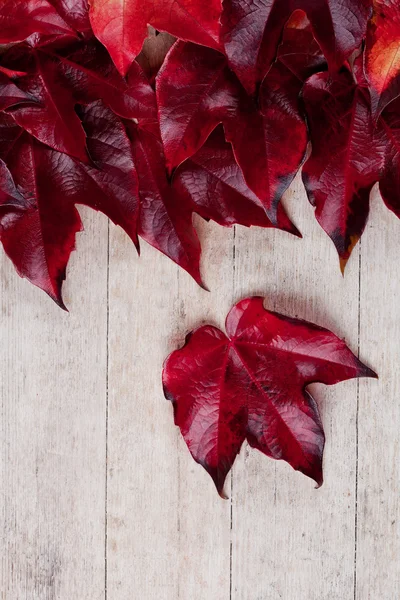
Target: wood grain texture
100, 497
53, 384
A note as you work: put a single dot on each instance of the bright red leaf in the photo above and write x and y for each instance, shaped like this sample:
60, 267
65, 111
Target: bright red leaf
345, 161
38, 229
383, 54
121, 25
251, 385
74, 12
251, 31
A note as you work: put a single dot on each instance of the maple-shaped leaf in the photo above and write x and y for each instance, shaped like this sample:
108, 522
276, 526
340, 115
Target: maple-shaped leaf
20, 18
345, 161
383, 54
216, 187
251, 31
250, 384
165, 219
38, 229
121, 25
53, 119
196, 91
91, 75
10, 94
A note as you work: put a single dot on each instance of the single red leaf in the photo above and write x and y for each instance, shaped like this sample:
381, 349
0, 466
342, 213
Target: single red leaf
216, 187
20, 18
91, 75
165, 219
345, 161
39, 233
383, 54
196, 91
121, 25
54, 121
251, 31
10, 94
251, 385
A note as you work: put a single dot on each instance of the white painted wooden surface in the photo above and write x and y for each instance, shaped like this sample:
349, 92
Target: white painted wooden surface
99, 495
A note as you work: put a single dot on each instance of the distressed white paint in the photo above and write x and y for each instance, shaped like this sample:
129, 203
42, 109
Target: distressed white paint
99, 495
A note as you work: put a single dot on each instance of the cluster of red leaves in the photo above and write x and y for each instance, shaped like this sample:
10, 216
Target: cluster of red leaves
251, 385
221, 129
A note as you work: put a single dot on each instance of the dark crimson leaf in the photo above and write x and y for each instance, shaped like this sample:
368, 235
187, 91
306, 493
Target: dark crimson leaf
121, 25
10, 94
383, 54
20, 18
345, 161
196, 91
74, 12
251, 31
251, 385
54, 121
215, 184
38, 233
91, 76
388, 135
9, 134
165, 219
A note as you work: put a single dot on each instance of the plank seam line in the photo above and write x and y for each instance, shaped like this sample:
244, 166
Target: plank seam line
106, 417
357, 418
231, 478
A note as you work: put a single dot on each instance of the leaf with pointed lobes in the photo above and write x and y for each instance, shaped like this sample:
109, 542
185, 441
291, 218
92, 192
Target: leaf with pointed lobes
345, 161
91, 75
11, 94
215, 185
251, 31
38, 231
121, 25
250, 384
196, 91
165, 218
21, 18
53, 120
383, 54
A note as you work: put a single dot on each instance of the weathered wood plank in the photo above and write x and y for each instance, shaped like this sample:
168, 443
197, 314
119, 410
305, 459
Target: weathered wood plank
53, 384
378, 522
290, 540
168, 531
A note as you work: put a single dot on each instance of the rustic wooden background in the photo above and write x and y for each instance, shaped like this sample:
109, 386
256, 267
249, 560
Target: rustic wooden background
99, 495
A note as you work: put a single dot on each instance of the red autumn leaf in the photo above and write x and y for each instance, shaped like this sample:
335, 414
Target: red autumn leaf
345, 161
20, 18
388, 135
251, 31
216, 187
383, 54
196, 91
10, 94
165, 219
38, 232
91, 75
53, 120
74, 12
121, 25
251, 385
